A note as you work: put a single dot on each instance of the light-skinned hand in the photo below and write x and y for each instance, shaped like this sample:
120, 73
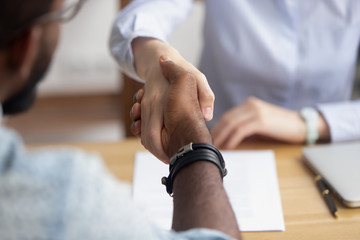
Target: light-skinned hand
257, 117
147, 51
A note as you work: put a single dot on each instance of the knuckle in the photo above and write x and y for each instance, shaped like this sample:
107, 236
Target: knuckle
148, 103
151, 100
156, 99
239, 132
201, 77
152, 134
145, 101
188, 77
209, 95
252, 101
255, 106
228, 121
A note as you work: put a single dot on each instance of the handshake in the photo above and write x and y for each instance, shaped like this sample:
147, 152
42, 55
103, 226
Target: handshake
182, 118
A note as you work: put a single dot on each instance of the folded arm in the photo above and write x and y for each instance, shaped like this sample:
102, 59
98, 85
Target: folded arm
256, 117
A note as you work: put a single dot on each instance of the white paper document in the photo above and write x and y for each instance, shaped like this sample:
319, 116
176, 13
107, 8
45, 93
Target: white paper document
251, 184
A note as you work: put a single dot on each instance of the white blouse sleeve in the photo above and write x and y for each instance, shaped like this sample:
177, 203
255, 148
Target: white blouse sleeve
145, 18
343, 119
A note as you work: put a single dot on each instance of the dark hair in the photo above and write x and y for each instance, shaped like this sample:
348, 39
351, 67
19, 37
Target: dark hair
14, 14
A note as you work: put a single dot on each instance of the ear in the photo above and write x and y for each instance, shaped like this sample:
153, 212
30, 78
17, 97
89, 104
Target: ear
22, 51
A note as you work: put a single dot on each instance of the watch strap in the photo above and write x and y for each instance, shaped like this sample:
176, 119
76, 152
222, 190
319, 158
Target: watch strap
189, 154
311, 117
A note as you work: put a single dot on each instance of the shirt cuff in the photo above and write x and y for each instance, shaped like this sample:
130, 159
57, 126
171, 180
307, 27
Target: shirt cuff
343, 120
126, 58
121, 49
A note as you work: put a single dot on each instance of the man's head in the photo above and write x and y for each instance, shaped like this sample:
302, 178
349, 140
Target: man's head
29, 33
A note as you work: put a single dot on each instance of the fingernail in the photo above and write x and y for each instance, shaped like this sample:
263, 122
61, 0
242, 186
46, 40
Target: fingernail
131, 111
165, 59
208, 113
140, 94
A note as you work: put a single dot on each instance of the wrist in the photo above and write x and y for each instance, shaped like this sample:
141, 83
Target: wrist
310, 116
147, 52
323, 129
189, 154
196, 132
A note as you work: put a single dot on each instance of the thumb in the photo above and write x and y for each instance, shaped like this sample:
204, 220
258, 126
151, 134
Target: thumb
206, 97
170, 70
173, 72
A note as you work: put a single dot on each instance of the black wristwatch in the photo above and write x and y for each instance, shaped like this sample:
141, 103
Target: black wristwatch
189, 154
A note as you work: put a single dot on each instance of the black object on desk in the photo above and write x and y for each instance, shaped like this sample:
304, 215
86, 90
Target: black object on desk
326, 194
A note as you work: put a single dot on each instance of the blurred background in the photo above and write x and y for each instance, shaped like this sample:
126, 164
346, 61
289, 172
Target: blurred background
80, 97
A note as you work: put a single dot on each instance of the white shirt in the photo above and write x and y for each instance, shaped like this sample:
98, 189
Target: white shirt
69, 194
292, 53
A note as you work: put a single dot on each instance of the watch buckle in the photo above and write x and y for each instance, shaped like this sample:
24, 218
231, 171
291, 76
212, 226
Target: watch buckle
183, 150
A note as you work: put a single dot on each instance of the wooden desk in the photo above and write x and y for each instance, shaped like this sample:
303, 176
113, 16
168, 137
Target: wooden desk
306, 214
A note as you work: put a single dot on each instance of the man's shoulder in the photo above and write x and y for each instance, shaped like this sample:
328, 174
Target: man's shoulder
59, 187
14, 155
